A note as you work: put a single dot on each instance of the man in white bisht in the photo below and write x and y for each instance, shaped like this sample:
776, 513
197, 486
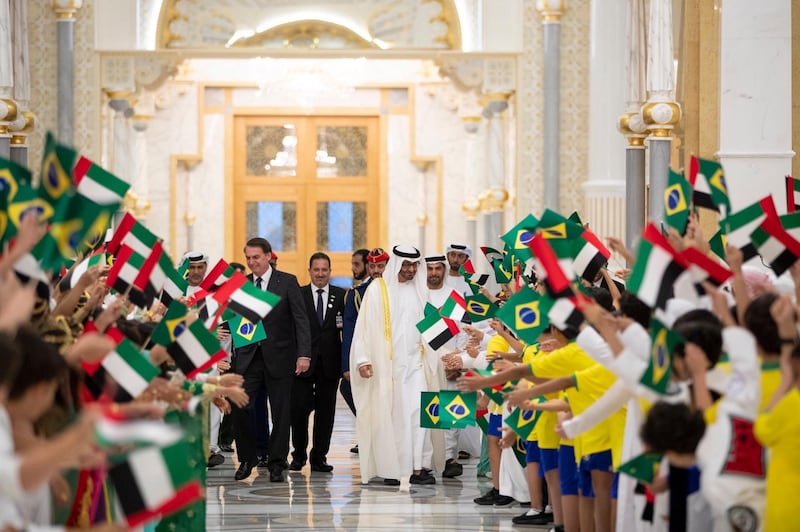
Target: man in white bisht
387, 373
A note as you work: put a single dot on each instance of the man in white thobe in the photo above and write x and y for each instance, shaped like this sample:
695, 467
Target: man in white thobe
387, 372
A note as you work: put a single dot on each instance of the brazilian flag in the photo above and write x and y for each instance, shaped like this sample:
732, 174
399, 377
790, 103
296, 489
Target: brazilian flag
26, 200
456, 409
520, 451
526, 313
553, 226
643, 467
56, 184
12, 178
480, 308
524, 421
429, 413
677, 197
718, 243
171, 325
245, 332
518, 238
575, 217
659, 367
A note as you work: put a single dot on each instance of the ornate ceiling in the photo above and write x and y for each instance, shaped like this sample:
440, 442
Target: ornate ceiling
332, 24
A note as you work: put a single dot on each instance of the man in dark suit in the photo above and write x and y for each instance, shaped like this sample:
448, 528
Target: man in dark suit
272, 362
316, 388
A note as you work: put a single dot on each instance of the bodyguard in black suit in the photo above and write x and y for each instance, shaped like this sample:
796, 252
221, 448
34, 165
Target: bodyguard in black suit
316, 388
273, 362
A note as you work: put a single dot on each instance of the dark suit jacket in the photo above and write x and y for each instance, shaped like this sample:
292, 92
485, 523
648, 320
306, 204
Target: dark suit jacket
326, 340
288, 335
352, 304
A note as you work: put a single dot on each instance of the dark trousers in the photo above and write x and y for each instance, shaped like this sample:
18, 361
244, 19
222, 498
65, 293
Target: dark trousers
261, 423
226, 430
319, 395
347, 394
279, 395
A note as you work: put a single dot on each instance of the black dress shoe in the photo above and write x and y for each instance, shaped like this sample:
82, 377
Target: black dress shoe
263, 461
276, 475
226, 448
321, 467
245, 468
354, 449
391, 482
297, 466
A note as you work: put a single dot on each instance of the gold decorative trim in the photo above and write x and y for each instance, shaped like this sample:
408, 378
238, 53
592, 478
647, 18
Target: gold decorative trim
18, 140
11, 110
310, 29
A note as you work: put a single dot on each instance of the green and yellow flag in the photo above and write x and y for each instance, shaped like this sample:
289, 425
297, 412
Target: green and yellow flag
245, 332
518, 238
643, 467
429, 417
457, 410
480, 308
677, 197
525, 313
57, 185
659, 367
171, 325
524, 421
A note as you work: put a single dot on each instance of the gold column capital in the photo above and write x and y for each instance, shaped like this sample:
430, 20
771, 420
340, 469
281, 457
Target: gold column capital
8, 110
551, 10
633, 128
422, 219
471, 207
661, 117
66, 9
496, 198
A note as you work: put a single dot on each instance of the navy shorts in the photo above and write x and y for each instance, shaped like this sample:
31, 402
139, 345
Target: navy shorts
615, 486
495, 424
567, 470
548, 460
531, 452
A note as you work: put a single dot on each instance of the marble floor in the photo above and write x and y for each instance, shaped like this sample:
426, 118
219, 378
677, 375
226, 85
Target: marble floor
337, 501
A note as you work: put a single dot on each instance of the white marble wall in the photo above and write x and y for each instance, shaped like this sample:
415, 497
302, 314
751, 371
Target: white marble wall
756, 99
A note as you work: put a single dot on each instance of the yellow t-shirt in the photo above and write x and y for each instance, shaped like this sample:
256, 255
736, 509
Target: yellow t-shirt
545, 431
770, 380
496, 344
590, 384
780, 431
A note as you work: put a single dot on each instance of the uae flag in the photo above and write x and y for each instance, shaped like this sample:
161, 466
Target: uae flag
455, 308
129, 368
708, 182
526, 313
564, 314
519, 237
643, 468
132, 234
778, 249
436, 330
589, 256
129, 276
480, 308
242, 297
195, 350
659, 366
657, 268
676, 201
555, 271
75, 274
704, 269
113, 429
218, 276
739, 225
155, 482
792, 194
98, 185
174, 285
28, 271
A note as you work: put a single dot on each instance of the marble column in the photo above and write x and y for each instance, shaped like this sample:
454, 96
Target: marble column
140, 179
65, 11
422, 194
631, 123
8, 107
660, 113
496, 195
471, 204
605, 185
23, 125
118, 143
551, 11
755, 145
